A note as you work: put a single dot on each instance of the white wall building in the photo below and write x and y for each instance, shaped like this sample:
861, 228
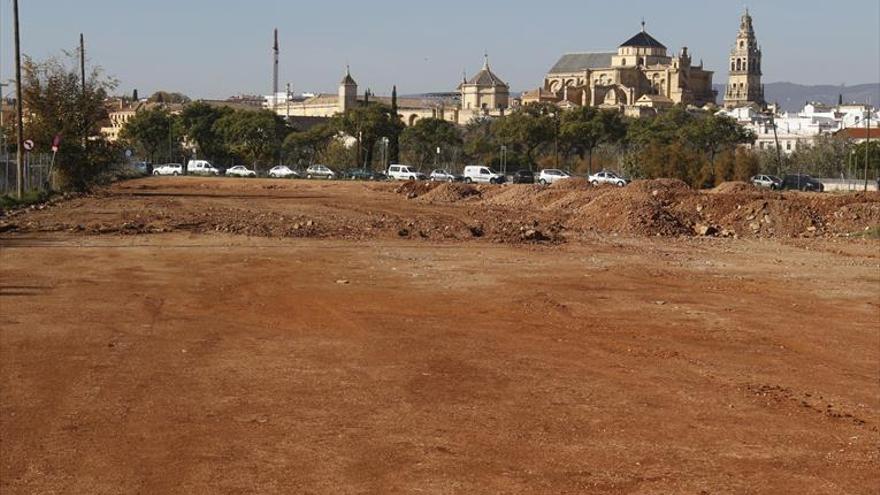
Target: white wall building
794, 130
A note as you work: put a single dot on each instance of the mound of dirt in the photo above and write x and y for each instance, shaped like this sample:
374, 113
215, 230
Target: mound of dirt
515, 195
413, 189
628, 214
772, 218
450, 192
662, 186
734, 187
571, 184
854, 217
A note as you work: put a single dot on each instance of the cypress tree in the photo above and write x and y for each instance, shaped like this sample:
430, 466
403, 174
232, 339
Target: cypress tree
394, 138
134, 95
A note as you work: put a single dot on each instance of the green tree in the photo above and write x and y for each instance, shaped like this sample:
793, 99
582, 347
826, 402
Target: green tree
367, 124
826, 156
57, 104
254, 136
480, 143
871, 152
394, 138
153, 133
168, 97
525, 130
197, 123
306, 146
746, 164
422, 139
583, 129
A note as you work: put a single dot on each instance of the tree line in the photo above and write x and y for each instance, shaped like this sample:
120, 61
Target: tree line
698, 147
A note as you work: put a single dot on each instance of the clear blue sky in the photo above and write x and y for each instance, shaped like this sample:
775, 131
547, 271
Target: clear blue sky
216, 48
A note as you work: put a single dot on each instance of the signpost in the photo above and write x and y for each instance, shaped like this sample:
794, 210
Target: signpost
28, 147
56, 144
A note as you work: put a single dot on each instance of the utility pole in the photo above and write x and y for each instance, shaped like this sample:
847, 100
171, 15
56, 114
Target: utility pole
776, 141
867, 148
19, 101
82, 68
2, 134
275, 74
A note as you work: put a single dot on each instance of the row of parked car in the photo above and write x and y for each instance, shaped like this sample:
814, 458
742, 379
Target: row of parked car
799, 182
471, 174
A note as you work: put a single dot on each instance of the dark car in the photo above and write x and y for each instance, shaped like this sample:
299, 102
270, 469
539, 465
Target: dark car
801, 182
362, 174
523, 177
145, 168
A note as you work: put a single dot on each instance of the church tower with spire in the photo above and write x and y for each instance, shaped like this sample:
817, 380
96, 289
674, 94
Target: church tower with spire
485, 91
744, 84
348, 89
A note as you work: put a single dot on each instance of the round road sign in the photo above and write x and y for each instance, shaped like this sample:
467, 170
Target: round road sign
28, 144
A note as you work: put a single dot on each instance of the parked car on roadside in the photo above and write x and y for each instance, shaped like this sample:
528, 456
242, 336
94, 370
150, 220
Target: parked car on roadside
362, 174
168, 169
283, 172
768, 181
479, 173
240, 171
202, 167
442, 175
801, 182
397, 171
551, 175
319, 171
523, 177
607, 177
145, 168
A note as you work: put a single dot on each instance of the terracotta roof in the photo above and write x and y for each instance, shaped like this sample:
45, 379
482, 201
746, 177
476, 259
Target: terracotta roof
859, 133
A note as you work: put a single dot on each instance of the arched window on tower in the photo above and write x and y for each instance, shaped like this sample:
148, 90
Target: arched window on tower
732, 65
738, 64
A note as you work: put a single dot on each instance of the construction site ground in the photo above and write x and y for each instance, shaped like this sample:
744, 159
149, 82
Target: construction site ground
199, 335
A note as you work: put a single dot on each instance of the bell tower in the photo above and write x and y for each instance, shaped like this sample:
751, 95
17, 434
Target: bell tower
347, 92
744, 84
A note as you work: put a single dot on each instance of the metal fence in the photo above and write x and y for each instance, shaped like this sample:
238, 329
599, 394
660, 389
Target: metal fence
36, 172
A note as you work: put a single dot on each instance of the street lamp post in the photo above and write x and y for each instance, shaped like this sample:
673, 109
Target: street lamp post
504, 159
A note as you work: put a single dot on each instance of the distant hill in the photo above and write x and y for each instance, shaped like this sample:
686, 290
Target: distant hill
792, 97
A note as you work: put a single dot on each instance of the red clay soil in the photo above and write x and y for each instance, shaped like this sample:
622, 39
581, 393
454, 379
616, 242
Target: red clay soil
202, 336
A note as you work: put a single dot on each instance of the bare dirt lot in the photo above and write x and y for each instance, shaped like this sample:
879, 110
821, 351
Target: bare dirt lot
180, 335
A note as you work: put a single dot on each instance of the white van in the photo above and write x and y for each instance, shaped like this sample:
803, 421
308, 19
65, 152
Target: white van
479, 173
201, 167
404, 172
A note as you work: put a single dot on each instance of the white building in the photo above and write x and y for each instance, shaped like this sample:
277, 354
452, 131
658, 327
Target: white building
795, 130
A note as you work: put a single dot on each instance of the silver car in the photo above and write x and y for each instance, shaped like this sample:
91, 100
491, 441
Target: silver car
768, 181
320, 172
607, 177
283, 172
440, 175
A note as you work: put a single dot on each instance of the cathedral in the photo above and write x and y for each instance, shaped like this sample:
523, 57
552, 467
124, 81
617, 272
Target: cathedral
640, 78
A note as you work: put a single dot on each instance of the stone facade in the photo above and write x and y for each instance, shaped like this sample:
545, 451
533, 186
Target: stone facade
744, 84
640, 75
484, 94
